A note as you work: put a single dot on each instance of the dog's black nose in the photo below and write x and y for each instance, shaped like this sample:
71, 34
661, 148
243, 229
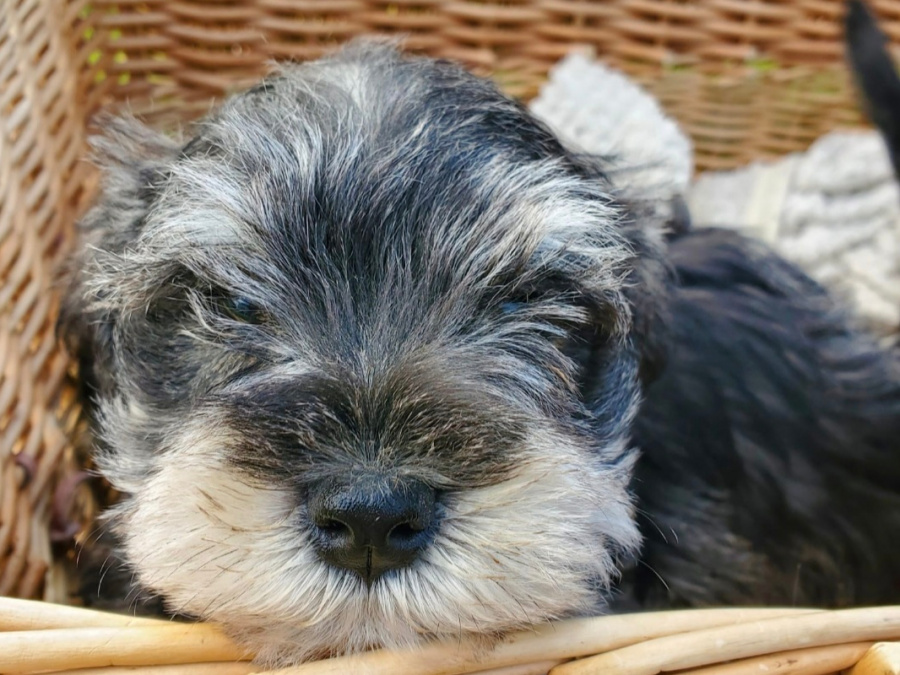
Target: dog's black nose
372, 524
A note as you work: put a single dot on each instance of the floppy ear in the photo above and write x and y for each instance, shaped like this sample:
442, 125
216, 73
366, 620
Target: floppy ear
133, 161
647, 291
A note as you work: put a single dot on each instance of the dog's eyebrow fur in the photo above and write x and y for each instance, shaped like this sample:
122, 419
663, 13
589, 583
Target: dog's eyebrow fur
305, 176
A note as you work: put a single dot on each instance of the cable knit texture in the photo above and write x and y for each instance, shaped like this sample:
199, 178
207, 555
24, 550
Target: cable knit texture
833, 210
597, 110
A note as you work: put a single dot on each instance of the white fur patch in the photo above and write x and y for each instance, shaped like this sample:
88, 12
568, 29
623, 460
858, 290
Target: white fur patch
222, 547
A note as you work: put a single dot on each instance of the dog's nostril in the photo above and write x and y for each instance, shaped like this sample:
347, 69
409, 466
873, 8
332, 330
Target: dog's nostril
372, 524
404, 531
332, 527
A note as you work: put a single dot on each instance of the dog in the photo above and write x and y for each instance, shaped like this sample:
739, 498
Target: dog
364, 355
374, 359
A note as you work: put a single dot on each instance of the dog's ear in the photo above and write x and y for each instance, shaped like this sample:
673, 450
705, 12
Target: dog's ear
648, 292
875, 74
133, 161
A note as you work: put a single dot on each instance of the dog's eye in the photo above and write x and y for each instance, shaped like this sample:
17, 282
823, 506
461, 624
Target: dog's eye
243, 310
560, 340
511, 307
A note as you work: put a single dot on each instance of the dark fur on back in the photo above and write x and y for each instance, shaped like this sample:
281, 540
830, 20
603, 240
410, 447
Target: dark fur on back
770, 470
770, 467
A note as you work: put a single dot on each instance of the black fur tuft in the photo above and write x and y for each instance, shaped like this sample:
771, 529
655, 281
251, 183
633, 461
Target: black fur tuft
875, 74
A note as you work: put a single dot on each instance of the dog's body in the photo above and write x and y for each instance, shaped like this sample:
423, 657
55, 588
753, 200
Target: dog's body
771, 437
373, 290
769, 471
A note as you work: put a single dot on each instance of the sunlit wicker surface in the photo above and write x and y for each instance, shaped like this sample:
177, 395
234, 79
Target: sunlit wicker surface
39, 637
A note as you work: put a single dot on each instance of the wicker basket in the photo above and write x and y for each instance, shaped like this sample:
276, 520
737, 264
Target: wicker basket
747, 78
41, 638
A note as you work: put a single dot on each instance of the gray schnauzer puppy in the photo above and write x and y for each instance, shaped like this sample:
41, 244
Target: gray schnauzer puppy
366, 355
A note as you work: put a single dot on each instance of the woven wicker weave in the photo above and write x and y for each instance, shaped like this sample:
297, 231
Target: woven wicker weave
747, 78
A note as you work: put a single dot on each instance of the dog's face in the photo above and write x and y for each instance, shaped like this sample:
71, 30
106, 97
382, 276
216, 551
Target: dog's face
365, 356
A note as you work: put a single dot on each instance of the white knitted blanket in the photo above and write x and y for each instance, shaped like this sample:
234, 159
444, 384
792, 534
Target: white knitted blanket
597, 110
833, 210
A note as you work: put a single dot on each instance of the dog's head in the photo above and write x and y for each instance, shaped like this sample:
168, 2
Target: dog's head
365, 353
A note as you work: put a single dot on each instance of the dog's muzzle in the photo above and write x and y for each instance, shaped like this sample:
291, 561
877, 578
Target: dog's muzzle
371, 523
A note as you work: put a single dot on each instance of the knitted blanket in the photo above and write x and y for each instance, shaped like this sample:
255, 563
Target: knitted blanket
833, 210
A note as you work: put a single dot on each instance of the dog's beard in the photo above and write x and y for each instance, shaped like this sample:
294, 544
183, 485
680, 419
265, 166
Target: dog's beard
222, 546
